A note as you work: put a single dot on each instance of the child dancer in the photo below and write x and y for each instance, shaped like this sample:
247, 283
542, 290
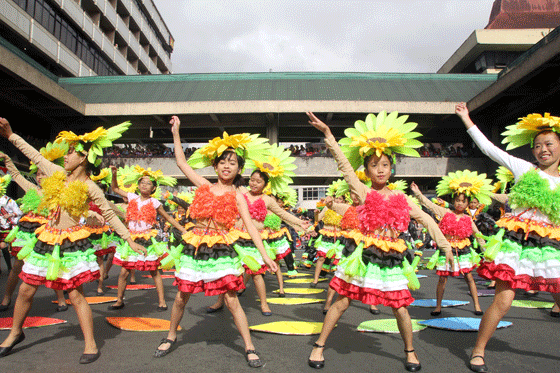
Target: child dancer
363, 273
32, 219
209, 262
141, 214
525, 253
9, 216
458, 228
63, 257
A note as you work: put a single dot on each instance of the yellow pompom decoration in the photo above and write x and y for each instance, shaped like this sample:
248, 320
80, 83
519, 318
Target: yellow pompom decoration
72, 197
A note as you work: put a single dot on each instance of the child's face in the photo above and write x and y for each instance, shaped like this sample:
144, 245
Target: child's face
460, 203
256, 183
546, 149
146, 186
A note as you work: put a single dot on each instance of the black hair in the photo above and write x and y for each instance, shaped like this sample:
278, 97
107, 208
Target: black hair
238, 181
262, 174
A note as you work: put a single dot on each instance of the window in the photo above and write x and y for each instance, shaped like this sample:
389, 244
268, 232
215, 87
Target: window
313, 193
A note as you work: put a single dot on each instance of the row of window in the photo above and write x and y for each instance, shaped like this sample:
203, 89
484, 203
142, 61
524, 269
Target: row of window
313, 193
46, 15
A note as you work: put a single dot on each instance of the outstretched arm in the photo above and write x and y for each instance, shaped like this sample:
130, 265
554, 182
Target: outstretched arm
171, 220
195, 178
115, 184
438, 210
16, 175
344, 166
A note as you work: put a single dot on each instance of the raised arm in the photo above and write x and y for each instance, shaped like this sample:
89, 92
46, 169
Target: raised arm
171, 220
189, 172
30, 152
436, 209
16, 175
115, 184
344, 166
516, 165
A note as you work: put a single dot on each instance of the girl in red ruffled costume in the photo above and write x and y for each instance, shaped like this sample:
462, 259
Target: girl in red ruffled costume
141, 217
208, 261
459, 229
260, 207
375, 266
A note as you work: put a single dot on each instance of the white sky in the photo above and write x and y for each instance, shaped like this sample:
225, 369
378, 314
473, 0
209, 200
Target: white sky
319, 35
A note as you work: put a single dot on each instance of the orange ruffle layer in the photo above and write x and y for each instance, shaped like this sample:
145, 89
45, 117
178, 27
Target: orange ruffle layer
530, 226
383, 243
53, 236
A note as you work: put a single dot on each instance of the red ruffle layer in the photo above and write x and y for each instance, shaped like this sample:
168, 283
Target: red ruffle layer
261, 271
220, 286
491, 271
283, 255
393, 299
106, 251
139, 265
60, 284
462, 271
14, 250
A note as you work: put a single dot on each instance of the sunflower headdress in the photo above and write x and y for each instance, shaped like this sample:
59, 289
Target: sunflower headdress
157, 177
278, 165
97, 140
398, 185
244, 144
504, 177
53, 152
4, 182
524, 131
382, 134
335, 186
123, 174
105, 177
469, 182
172, 205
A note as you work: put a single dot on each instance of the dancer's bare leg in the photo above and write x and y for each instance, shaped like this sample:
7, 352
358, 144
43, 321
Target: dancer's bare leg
440, 290
335, 312
177, 312
240, 320
83, 310
500, 306
23, 304
156, 275
405, 328
121, 286
474, 291
12, 281
261, 292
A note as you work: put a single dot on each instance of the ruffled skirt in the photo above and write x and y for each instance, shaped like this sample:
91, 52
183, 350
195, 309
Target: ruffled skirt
464, 259
103, 240
26, 231
129, 259
383, 281
60, 259
527, 257
208, 263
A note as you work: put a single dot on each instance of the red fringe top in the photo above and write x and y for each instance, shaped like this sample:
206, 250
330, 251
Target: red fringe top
379, 212
221, 209
350, 220
451, 227
147, 213
257, 209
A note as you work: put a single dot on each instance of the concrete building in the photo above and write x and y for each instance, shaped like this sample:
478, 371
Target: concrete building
274, 104
74, 38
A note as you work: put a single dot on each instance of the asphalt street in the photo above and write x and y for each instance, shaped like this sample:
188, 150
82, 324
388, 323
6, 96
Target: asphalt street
211, 343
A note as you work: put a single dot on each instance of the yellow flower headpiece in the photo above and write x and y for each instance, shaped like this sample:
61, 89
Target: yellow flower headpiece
245, 145
99, 139
382, 134
524, 131
53, 152
278, 165
504, 177
105, 176
123, 174
135, 174
334, 187
4, 182
468, 182
398, 185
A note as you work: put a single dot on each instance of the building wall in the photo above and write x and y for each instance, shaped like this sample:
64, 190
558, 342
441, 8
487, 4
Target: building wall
89, 37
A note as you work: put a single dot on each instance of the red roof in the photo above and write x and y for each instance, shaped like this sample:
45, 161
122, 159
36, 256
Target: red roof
517, 14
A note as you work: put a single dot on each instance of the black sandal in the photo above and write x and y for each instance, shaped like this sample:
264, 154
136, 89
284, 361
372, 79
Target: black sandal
253, 363
162, 353
412, 367
317, 364
478, 368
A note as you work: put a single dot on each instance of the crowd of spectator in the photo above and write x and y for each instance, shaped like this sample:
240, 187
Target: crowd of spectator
145, 150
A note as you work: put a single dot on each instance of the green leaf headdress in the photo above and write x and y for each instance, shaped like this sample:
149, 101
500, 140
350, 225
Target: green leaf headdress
382, 134
504, 177
278, 165
99, 139
524, 131
105, 177
134, 175
245, 145
288, 195
468, 182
